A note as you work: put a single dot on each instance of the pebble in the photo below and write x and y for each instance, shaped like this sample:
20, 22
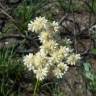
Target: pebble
13, 1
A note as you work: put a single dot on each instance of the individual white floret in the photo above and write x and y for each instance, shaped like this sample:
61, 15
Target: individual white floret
60, 70
43, 52
45, 36
60, 54
40, 60
49, 46
57, 72
67, 41
41, 73
73, 58
55, 26
63, 66
65, 50
38, 24
30, 26
28, 61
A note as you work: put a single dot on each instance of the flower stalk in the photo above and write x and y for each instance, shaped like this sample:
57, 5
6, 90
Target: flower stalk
36, 87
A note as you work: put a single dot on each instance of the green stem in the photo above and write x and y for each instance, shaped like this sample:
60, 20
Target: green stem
36, 86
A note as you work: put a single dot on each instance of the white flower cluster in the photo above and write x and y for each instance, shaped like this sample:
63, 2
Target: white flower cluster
52, 56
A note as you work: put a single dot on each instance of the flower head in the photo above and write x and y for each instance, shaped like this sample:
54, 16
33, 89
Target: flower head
45, 36
41, 73
28, 61
73, 58
60, 70
40, 60
63, 66
49, 46
55, 26
37, 25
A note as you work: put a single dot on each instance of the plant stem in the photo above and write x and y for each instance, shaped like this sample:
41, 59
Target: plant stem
36, 86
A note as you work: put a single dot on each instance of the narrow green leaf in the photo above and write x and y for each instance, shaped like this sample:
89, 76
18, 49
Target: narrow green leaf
93, 51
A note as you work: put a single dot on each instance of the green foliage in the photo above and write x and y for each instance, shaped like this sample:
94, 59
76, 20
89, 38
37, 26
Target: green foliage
94, 6
91, 76
93, 51
91, 6
88, 71
11, 70
26, 11
55, 88
23, 15
57, 91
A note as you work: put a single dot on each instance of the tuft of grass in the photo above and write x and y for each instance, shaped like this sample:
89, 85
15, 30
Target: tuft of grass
91, 6
26, 11
57, 91
11, 70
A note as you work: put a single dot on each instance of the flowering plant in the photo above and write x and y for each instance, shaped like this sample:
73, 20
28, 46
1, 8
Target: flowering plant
52, 56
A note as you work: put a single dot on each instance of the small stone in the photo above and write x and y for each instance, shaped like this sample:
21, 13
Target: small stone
13, 1
41, 94
9, 43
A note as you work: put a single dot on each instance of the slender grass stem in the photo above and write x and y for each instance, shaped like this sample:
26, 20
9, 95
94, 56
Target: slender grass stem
36, 86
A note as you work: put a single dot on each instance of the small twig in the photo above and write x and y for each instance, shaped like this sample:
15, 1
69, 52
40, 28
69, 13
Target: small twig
3, 10
12, 36
86, 51
47, 84
62, 19
74, 32
24, 51
2, 6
